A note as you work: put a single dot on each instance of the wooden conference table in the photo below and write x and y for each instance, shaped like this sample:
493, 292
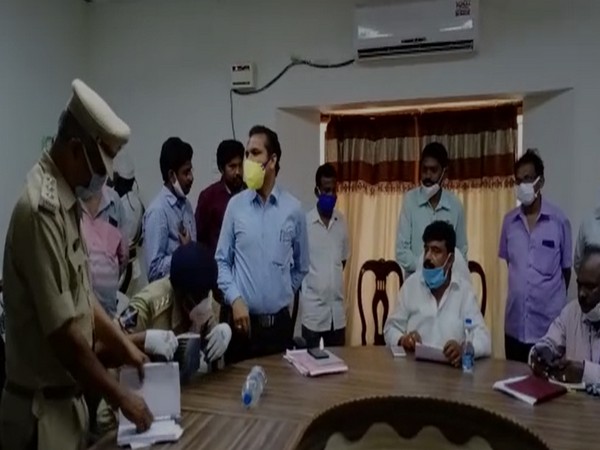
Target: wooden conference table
213, 417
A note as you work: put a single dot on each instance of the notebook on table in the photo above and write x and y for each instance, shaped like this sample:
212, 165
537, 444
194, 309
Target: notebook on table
530, 389
312, 367
162, 392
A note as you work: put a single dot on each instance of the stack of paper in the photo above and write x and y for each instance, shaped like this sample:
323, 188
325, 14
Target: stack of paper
530, 389
312, 367
162, 392
430, 353
398, 351
160, 431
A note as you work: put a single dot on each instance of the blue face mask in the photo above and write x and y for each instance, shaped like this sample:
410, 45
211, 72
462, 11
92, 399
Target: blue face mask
326, 204
95, 185
436, 277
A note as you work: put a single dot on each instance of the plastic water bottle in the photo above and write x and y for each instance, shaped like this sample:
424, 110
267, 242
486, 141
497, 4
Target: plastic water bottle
254, 386
468, 356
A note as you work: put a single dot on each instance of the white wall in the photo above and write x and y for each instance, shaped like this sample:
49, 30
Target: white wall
165, 64
42, 47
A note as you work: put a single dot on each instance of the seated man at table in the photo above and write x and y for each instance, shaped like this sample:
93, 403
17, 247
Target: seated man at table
570, 350
433, 305
171, 306
179, 303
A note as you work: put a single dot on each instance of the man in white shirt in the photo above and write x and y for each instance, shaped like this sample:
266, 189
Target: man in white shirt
322, 294
433, 305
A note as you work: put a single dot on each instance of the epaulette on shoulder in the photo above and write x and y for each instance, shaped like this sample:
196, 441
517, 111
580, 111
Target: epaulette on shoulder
49, 194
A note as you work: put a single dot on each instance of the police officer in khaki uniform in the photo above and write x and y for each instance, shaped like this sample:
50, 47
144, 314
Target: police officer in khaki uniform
179, 303
52, 317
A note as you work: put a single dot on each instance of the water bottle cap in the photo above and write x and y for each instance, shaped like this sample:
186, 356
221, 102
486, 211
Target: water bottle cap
468, 321
247, 398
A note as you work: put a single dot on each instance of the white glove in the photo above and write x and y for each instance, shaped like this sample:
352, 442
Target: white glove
161, 342
218, 340
204, 367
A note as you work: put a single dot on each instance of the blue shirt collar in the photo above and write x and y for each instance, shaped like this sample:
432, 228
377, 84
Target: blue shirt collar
172, 199
273, 198
443, 204
545, 211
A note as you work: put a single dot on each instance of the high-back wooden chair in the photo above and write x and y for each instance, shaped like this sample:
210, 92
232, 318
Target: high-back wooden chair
475, 267
382, 269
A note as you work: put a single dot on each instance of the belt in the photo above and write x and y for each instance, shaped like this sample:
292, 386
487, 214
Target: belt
268, 320
49, 392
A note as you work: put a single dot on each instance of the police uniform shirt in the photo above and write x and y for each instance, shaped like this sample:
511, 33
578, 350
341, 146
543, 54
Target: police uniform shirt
45, 277
155, 308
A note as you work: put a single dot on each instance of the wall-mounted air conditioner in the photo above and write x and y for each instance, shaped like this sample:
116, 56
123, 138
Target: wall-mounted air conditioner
415, 27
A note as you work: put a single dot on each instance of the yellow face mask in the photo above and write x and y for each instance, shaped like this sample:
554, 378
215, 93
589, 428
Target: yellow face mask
254, 174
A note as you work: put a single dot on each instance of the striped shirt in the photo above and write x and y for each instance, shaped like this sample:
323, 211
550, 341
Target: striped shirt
106, 241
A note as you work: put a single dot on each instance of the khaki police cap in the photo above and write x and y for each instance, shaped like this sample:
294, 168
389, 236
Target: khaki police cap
99, 120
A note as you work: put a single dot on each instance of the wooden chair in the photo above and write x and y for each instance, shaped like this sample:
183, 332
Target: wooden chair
382, 269
475, 267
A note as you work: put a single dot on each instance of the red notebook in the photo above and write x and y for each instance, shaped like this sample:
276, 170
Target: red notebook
530, 389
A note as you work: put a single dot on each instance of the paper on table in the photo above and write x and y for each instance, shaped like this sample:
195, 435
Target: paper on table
430, 353
398, 351
309, 366
160, 431
162, 393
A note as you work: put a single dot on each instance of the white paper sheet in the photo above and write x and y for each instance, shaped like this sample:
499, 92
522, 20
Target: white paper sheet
309, 366
162, 393
430, 353
398, 351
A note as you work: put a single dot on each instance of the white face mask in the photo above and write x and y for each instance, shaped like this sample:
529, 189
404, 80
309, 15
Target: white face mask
177, 188
95, 185
430, 191
594, 314
526, 193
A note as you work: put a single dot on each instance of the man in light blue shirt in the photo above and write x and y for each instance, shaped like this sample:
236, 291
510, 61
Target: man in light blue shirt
169, 220
426, 204
262, 254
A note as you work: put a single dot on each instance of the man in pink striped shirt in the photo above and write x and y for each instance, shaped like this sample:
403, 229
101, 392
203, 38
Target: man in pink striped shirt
103, 229
570, 350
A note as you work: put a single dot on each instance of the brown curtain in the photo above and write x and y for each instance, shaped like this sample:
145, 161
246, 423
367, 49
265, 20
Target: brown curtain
377, 159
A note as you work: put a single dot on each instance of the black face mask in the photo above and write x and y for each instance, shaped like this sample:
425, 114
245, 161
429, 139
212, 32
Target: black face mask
123, 186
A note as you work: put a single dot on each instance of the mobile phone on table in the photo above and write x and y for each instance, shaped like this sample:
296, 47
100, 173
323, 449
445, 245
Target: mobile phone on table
317, 353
